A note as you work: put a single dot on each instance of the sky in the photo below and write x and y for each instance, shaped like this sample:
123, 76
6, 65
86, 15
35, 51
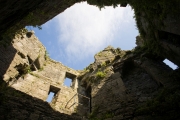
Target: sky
76, 35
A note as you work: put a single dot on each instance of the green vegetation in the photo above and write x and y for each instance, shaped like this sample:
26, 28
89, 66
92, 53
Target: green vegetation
102, 3
23, 71
118, 50
146, 12
149, 16
86, 69
42, 68
103, 64
76, 109
35, 75
93, 114
107, 70
107, 115
46, 55
95, 77
30, 18
27, 70
100, 74
99, 54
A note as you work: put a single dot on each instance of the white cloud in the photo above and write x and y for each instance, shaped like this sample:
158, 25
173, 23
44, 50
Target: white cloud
85, 30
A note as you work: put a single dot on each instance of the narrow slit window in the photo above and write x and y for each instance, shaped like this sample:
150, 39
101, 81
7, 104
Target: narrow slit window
170, 64
50, 97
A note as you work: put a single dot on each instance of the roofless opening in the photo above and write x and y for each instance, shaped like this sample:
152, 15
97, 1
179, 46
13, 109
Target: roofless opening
170, 64
74, 36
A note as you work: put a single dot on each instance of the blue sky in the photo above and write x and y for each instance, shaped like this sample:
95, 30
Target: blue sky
76, 35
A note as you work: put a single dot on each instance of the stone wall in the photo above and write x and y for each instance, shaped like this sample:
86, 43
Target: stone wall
118, 85
31, 71
18, 14
126, 85
17, 105
130, 83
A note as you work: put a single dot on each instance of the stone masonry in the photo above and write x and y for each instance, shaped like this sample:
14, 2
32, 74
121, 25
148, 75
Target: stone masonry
34, 73
130, 81
118, 85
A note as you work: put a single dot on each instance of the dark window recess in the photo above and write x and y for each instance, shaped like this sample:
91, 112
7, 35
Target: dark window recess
32, 67
20, 69
29, 34
37, 63
170, 38
34, 64
21, 54
53, 94
126, 67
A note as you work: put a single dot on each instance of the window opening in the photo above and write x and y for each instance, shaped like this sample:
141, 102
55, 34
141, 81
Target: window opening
170, 64
68, 82
50, 97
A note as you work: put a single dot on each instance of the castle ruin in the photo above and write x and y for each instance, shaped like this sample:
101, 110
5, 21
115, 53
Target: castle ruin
119, 85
